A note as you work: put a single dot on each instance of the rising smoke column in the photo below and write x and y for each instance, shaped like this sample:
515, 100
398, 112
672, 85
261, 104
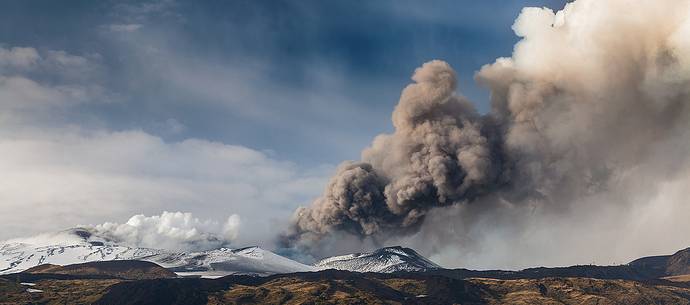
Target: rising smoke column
592, 93
437, 156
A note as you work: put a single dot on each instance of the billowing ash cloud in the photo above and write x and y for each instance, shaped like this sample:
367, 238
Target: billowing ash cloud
437, 156
172, 231
595, 100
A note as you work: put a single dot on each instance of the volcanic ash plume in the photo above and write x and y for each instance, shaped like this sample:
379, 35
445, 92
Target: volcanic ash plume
592, 95
437, 156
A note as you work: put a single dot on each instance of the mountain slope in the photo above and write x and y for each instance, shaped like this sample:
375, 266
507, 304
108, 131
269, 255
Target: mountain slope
384, 260
678, 263
664, 265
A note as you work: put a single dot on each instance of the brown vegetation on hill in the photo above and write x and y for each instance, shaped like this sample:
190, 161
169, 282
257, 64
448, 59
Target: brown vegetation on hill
124, 269
341, 287
53, 292
580, 291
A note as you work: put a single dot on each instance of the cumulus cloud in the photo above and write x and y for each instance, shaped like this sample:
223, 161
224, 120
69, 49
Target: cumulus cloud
589, 119
171, 230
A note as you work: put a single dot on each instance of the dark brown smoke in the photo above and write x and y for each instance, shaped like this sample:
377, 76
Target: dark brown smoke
437, 156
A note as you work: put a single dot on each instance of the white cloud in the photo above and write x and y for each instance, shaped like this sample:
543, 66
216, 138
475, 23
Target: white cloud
172, 230
18, 92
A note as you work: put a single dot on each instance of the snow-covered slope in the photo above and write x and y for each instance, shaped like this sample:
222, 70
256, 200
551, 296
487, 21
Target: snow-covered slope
80, 245
249, 260
386, 260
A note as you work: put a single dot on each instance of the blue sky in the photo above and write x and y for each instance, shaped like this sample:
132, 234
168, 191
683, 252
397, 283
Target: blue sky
114, 108
311, 81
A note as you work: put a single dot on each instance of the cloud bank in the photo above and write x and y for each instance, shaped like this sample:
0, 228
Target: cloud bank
589, 121
70, 176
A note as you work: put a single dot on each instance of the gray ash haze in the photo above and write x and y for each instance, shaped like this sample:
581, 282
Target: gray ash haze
583, 155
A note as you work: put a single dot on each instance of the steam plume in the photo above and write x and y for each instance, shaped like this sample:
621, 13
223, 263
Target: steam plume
171, 230
594, 99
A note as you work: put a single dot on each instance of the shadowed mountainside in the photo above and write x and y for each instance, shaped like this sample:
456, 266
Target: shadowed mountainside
124, 269
664, 265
